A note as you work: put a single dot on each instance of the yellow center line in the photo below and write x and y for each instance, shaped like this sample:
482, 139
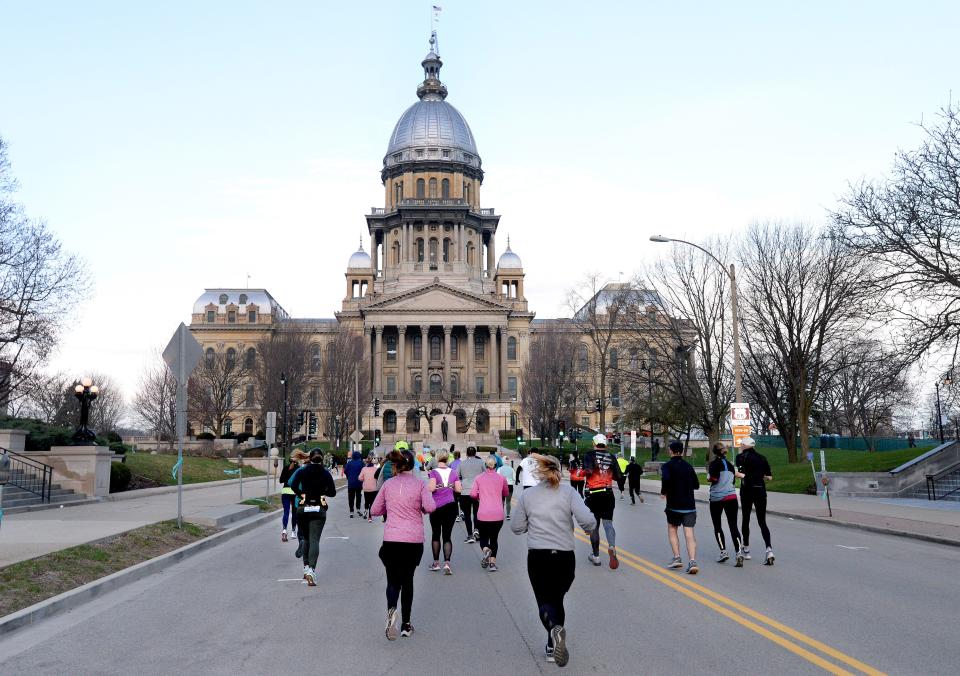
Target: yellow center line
704, 595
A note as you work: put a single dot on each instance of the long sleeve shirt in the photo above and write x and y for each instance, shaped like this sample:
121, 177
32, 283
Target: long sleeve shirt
547, 516
404, 499
490, 489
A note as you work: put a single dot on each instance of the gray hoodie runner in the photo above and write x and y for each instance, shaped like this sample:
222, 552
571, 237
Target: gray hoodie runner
470, 468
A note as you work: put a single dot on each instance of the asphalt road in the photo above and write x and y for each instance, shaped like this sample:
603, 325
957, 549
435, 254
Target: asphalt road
838, 600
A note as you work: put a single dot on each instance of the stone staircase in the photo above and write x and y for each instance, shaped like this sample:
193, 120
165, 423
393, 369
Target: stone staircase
15, 497
945, 484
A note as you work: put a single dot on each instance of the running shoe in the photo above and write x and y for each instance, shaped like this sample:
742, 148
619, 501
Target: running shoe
746, 553
476, 534
369, 519
614, 561
311, 577
459, 518
508, 517
446, 569
306, 569
739, 563
693, 567
406, 630
768, 561
548, 652
492, 568
469, 541
675, 563
391, 630
351, 515
594, 559
283, 535
560, 654
435, 565
485, 561
723, 556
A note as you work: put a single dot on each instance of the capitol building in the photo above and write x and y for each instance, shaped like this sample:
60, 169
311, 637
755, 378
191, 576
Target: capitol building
443, 318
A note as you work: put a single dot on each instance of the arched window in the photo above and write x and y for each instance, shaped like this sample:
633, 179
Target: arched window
251, 360
582, 358
417, 384
419, 250
209, 355
421, 186
223, 299
633, 358
433, 188
417, 348
483, 421
512, 348
243, 299
228, 426
445, 188
461, 417
470, 253
231, 357
454, 385
413, 420
514, 420
454, 348
315, 360
614, 358
435, 345
436, 383
434, 245
446, 249
248, 426
331, 356
390, 422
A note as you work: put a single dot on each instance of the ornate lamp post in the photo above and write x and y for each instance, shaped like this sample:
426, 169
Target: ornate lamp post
85, 392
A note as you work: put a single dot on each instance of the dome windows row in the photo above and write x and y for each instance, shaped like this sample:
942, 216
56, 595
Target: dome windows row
232, 315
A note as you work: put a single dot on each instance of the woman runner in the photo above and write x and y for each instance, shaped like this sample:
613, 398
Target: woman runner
489, 489
546, 512
368, 479
313, 485
404, 499
755, 473
723, 500
577, 476
444, 485
286, 493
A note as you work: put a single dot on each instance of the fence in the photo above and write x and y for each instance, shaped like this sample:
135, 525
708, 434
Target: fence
841, 443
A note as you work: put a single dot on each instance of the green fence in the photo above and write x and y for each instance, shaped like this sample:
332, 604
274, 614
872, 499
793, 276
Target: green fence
842, 443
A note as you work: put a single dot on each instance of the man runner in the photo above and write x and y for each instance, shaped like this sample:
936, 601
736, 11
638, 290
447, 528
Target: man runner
678, 482
601, 470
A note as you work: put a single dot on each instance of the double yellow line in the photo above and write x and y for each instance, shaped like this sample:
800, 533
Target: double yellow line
740, 614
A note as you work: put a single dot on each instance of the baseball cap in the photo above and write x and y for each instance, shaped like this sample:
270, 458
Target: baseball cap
600, 440
747, 442
401, 446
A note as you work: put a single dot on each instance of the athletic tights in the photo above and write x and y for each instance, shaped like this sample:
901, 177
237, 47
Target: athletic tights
757, 500
489, 531
287, 501
441, 525
469, 507
353, 498
400, 559
717, 509
551, 572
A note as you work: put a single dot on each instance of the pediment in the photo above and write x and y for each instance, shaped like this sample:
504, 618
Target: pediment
436, 297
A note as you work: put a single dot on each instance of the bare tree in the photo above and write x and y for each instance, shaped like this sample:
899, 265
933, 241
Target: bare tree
549, 385
214, 390
40, 284
286, 353
46, 396
154, 404
346, 370
805, 295
908, 225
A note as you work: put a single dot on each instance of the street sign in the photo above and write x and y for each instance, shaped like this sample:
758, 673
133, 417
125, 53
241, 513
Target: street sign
271, 436
271, 419
356, 436
740, 423
633, 443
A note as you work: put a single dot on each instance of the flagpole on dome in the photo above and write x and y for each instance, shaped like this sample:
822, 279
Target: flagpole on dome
434, 20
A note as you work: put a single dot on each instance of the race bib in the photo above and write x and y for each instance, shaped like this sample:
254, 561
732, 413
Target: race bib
312, 508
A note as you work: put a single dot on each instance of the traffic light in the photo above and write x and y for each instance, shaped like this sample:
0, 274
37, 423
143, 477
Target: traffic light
313, 423
300, 420
376, 408
376, 437
563, 426
519, 436
599, 404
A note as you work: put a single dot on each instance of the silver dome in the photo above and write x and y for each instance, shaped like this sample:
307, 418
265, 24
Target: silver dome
359, 259
432, 123
509, 261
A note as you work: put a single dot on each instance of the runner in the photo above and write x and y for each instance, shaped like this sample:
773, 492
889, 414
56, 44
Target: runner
301, 457
404, 499
527, 472
634, 472
354, 484
601, 469
368, 484
287, 494
547, 512
445, 487
754, 471
455, 466
577, 476
489, 490
723, 500
313, 485
678, 481
470, 468
621, 480
508, 473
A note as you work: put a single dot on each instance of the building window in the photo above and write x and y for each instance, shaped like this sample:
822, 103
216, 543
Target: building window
512, 348
413, 420
250, 401
483, 421
436, 384
585, 421
227, 426
514, 420
454, 349
232, 317
417, 384
433, 251
421, 186
391, 384
390, 422
251, 359
582, 358
419, 250
229, 397
512, 387
479, 384
478, 348
633, 358
223, 299
251, 316
446, 249
209, 357
615, 395
396, 253
433, 188
417, 348
315, 359
391, 348
243, 299
248, 426
231, 358
614, 358
446, 155
314, 396
435, 348
445, 183
454, 385
211, 316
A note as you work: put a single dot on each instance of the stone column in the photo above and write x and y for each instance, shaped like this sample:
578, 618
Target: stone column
468, 386
367, 355
447, 332
491, 256
493, 378
402, 362
378, 362
503, 360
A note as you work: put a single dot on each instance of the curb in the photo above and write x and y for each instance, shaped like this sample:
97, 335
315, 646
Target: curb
92, 590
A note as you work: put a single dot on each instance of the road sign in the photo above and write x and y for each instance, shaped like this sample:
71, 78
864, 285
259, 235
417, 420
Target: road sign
271, 419
633, 443
271, 436
356, 437
740, 423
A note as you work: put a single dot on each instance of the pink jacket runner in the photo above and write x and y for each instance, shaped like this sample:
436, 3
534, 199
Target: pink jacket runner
490, 488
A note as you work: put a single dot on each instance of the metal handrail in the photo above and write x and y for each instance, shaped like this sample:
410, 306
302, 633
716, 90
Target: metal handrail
28, 474
932, 480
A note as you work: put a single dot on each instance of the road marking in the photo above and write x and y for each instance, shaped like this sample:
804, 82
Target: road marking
847, 547
704, 595
336, 537
293, 579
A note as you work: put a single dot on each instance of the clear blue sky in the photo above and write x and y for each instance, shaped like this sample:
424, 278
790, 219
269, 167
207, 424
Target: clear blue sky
178, 146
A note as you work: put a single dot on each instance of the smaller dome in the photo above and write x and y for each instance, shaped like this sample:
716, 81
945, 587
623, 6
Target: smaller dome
509, 260
359, 259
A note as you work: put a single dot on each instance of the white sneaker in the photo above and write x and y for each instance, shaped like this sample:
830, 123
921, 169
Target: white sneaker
391, 629
595, 560
746, 553
770, 558
311, 577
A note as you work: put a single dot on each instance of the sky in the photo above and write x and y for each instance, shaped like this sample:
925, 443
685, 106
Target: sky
178, 146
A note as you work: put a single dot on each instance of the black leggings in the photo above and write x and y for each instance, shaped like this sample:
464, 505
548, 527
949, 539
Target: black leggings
368, 498
489, 531
718, 509
353, 498
441, 526
469, 507
759, 502
400, 559
578, 486
551, 573
311, 527
634, 491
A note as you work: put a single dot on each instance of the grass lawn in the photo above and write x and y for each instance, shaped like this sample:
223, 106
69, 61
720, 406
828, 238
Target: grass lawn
27, 582
265, 505
195, 470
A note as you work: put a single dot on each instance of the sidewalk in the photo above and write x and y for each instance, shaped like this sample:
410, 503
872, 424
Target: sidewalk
30, 534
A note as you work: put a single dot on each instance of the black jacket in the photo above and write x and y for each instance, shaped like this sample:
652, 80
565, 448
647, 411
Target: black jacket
313, 482
634, 472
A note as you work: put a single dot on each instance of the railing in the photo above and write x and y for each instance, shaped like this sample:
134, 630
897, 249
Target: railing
432, 202
28, 474
952, 483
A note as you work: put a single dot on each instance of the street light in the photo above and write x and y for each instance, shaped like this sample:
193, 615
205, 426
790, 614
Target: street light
946, 380
4, 478
286, 435
85, 391
731, 273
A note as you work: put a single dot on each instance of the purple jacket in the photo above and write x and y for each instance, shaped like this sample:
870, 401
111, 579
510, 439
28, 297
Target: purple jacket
404, 499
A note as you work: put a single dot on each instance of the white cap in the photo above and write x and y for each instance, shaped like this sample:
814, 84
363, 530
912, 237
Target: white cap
747, 442
599, 440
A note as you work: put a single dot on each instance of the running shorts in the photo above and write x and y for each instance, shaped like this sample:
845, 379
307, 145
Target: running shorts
685, 519
601, 504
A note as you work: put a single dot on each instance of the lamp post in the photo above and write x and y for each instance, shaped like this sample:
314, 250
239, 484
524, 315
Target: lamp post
286, 435
946, 380
732, 274
85, 391
4, 478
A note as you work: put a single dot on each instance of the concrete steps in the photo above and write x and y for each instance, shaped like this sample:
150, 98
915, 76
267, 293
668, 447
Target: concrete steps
14, 496
951, 482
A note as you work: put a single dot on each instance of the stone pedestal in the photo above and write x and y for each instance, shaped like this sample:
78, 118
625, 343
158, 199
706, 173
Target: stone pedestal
85, 469
13, 440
